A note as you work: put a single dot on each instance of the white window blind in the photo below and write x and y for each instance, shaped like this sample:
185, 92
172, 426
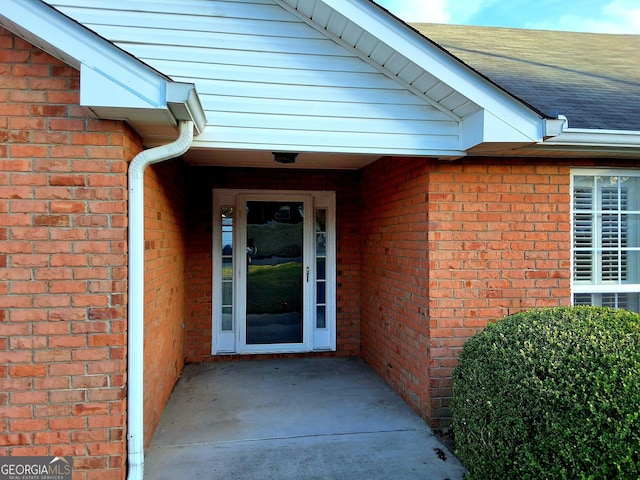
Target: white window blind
606, 247
583, 234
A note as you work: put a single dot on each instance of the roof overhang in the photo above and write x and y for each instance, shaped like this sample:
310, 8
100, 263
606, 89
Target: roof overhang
116, 85
581, 138
590, 143
572, 143
500, 124
491, 115
113, 84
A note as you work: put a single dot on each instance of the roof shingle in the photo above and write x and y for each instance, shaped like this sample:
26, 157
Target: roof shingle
592, 79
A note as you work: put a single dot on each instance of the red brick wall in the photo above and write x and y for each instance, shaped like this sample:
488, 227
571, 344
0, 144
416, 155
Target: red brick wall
62, 268
165, 236
499, 242
394, 288
201, 183
491, 237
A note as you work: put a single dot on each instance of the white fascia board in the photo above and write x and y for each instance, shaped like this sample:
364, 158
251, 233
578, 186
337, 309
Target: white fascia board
177, 100
443, 66
111, 99
99, 88
213, 138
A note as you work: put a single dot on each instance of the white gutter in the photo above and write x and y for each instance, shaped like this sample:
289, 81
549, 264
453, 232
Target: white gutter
575, 137
135, 341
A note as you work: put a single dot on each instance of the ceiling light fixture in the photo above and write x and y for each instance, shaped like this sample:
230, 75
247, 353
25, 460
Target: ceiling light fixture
284, 157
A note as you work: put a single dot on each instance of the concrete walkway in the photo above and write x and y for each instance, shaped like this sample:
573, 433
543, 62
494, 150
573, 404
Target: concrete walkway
316, 418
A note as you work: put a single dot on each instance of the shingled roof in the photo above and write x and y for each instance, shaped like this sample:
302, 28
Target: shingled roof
592, 79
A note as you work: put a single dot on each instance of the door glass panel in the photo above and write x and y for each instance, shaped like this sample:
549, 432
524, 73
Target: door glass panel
227, 319
321, 271
321, 317
321, 297
227, 293
321, 244
227, 269
275, 232
226, 215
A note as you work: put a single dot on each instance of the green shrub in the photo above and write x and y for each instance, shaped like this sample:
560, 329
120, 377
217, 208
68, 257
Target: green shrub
551, 394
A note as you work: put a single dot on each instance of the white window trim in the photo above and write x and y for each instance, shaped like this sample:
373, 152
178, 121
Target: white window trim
577, 287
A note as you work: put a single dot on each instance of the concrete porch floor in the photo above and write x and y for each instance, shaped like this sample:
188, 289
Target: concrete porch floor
313, 418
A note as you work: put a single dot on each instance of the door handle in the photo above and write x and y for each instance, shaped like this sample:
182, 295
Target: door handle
307, 274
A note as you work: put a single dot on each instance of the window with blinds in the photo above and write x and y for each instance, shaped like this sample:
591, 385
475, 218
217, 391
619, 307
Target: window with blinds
606, 243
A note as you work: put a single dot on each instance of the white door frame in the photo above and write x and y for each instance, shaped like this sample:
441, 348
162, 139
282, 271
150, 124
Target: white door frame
317, 336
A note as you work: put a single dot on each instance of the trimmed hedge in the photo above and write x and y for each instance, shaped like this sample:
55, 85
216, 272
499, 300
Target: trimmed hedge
550, 394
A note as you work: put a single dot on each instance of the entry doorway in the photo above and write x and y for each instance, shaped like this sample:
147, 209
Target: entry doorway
273, 272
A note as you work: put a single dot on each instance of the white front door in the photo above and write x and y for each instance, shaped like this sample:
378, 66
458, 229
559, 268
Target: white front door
273, 272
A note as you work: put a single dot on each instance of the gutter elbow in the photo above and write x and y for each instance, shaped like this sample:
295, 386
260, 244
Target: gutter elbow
164, 152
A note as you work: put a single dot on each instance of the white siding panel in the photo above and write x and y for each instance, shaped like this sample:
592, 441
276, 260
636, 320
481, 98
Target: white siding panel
307, 8
393, 100
217, 56
262, 106
410, 73
128, 37
267, 80
367, 43
425, 82
453, 101
441, 91
264, 75
253, 9
352, 34
329, 124
381, 53
168, 22
397, 63
466, 109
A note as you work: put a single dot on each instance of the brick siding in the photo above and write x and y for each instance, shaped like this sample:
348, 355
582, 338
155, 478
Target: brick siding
499, 242
62, 268
164, 311
394, 278
449, 247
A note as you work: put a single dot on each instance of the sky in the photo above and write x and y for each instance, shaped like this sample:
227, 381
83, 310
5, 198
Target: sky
596, 16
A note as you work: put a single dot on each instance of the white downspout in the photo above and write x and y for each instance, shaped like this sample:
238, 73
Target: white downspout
135, 341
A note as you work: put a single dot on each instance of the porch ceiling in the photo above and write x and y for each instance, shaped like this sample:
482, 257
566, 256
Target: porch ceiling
264, 159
